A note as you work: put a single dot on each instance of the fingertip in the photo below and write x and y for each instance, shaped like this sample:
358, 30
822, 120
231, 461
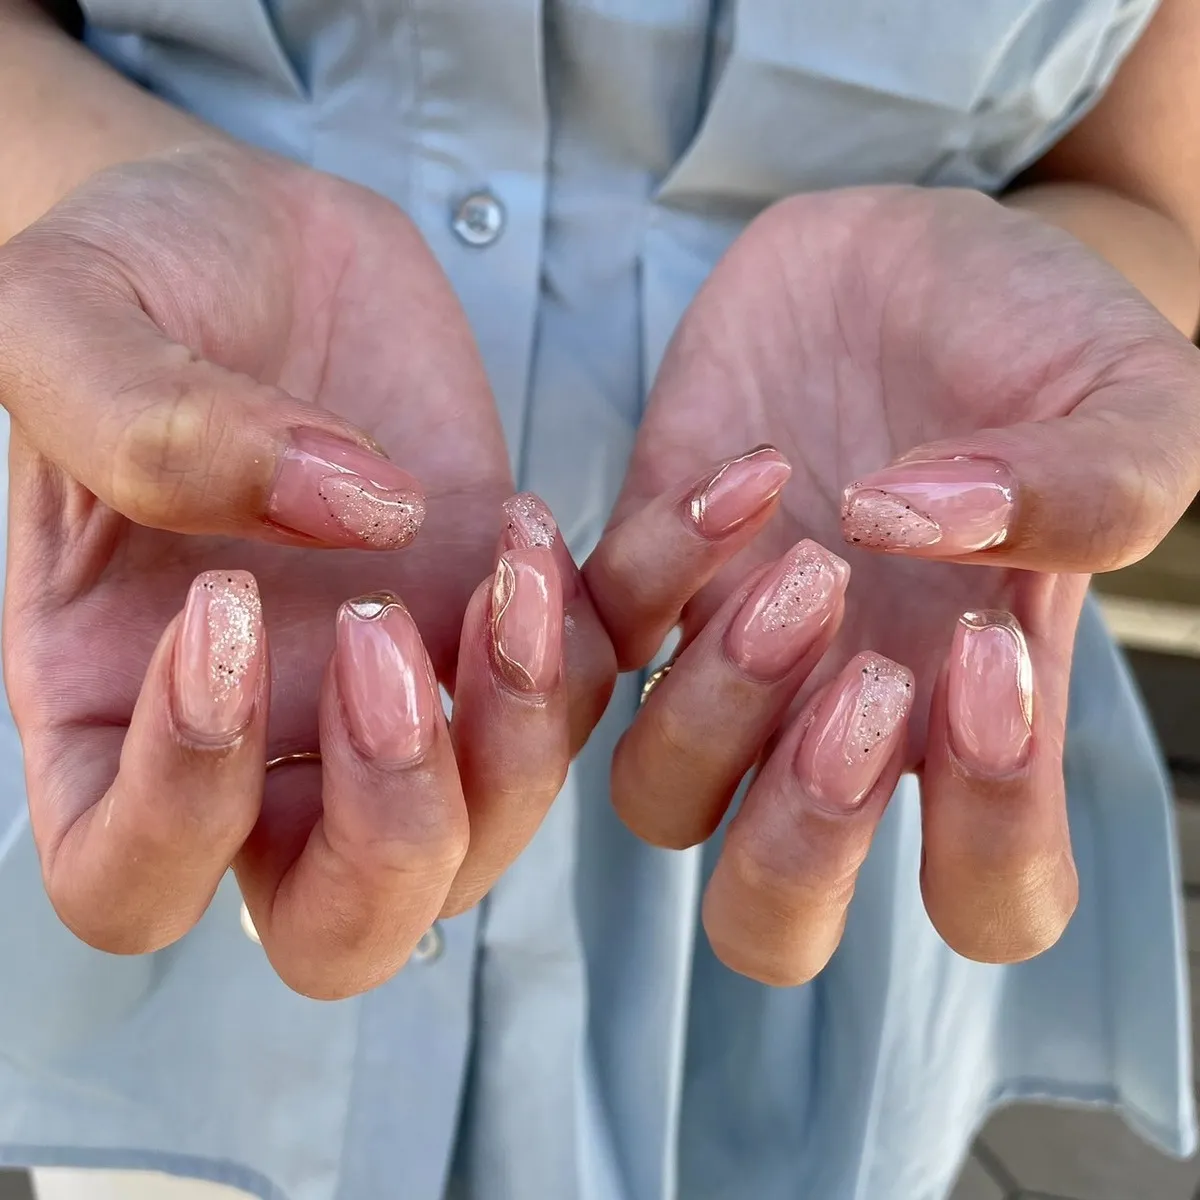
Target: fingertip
219, 658
989, 693
526, 621
647, 568
341, 494
385, 681
947, 508
737, 491
998, 878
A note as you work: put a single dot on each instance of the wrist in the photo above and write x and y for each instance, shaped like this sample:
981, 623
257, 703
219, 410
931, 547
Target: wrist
68, 115
1152, 250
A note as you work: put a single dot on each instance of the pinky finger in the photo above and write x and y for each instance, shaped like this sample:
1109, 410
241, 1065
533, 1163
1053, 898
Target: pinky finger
998, 878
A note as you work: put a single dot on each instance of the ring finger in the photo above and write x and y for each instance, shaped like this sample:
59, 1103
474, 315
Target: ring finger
776, 905
704, 725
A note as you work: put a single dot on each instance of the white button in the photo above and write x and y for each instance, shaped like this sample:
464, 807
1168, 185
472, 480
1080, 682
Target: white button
248, 926
479, 219
429, 948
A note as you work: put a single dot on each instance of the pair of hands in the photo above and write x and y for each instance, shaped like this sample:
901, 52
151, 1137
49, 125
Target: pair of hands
192, 349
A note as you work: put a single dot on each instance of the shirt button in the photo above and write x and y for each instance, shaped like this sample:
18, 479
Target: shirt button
478, 219
429, 948
248, 926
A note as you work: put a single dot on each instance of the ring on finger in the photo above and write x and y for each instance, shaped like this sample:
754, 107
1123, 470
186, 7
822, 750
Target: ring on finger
655, 678
300, 756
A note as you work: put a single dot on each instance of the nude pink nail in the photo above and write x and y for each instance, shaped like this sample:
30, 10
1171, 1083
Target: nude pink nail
218, 655
856, 728
528, 523
344, 495
384, 679
990, 693
940, 509
527, 619
781, 619
738, 491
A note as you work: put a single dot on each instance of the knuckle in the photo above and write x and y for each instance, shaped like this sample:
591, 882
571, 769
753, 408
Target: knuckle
655, 813
425, 850
776, 962
813, 873
174, 436
161, 451
321, 985
1139, 501
103, 926
1014, 917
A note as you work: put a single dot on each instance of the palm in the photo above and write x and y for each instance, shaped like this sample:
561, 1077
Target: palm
847, 330
325, 291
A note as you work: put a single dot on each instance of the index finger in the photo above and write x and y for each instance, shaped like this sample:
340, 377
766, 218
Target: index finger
646, 569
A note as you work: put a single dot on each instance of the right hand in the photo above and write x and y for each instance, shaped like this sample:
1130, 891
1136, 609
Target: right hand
191, 348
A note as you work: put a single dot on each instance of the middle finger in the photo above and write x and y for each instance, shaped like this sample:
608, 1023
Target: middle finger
343, 875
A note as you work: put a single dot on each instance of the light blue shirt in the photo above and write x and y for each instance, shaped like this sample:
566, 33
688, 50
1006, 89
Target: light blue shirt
574, 1038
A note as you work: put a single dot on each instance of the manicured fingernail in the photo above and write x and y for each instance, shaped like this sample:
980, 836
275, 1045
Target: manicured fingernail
344, 495
781, 619
941, 509
218, 656
384, 680
530, 525
990, 693
855, 730
527, 619
737, 491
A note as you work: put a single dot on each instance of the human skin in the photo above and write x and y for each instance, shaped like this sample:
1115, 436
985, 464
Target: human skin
81, 569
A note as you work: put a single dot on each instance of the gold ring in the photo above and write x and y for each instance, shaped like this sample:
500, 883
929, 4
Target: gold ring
301, 756
656, 677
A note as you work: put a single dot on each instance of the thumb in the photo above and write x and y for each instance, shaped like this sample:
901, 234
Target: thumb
175, 442
1093, 490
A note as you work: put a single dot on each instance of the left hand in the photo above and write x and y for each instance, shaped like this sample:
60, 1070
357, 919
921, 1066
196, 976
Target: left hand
1042, 422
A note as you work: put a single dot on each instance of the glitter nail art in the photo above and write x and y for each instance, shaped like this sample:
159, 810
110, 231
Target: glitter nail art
218, 654
876, 519
939, 509
234, 619
883, 699
380, 518
782, 618
529, 522
810, 577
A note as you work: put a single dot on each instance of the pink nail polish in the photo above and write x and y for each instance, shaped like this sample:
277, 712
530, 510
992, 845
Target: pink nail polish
218, 655
781, 619
990, 693
527, 619
384, 680
344, 495
855, 730
943, 509
737, 491
528, 523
